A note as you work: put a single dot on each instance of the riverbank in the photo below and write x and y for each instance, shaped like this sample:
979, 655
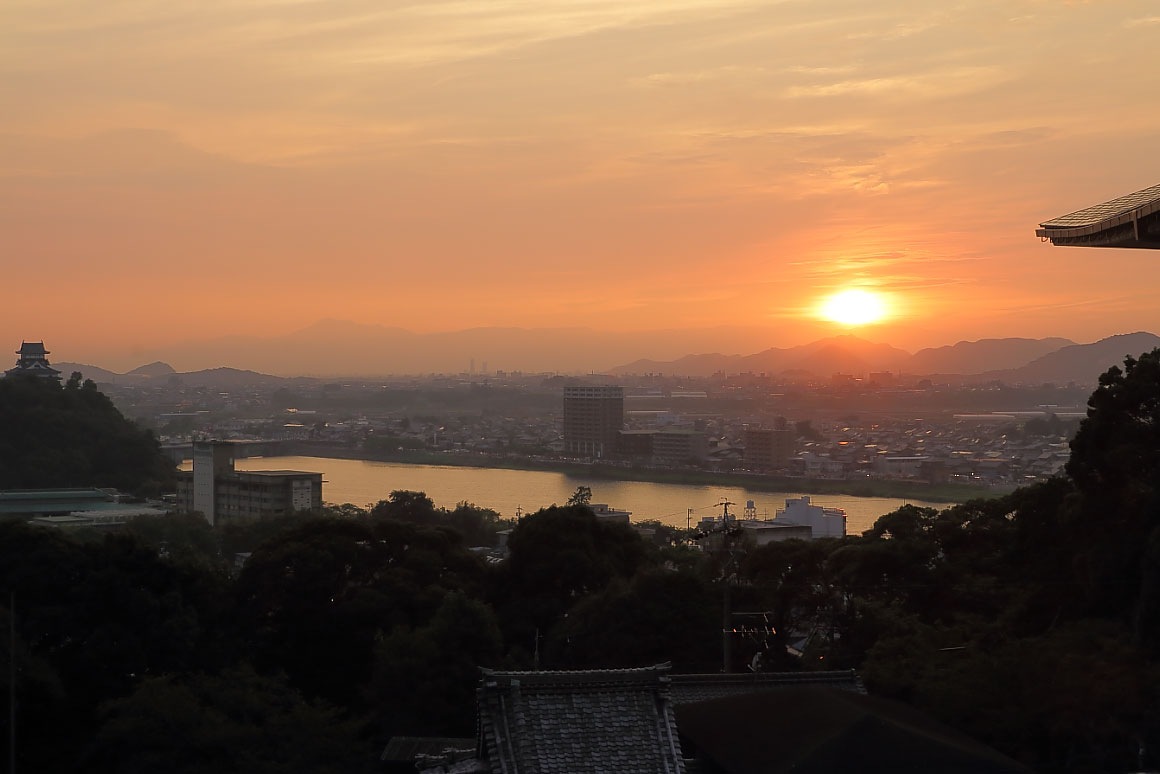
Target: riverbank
906, 490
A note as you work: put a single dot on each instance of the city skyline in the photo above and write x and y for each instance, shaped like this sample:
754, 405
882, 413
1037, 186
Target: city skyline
180, 172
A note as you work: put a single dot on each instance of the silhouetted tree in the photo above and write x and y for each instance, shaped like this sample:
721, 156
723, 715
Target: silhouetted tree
654, 617
582, 496
233, 722
425, 677
559, 555
311, 602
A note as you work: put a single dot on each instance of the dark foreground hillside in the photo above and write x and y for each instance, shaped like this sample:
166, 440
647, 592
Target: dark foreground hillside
71, 435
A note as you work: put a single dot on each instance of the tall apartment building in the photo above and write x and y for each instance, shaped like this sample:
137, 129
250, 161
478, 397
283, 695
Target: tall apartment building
220, 493
765, 448
593, 418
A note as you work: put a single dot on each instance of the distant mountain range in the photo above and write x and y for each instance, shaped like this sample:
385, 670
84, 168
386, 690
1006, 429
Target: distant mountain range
97, 374
1013, 360
159, 372
332, 348
845, 354
1079, 363
343, 348
973, 357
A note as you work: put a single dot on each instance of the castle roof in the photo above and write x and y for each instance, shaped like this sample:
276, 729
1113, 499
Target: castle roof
32, 348
32, 361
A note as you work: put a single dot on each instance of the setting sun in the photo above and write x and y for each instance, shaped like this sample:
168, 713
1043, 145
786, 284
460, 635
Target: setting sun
854, 307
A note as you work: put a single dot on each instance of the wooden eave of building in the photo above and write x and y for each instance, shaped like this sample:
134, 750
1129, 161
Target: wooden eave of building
1127, 221
694, 688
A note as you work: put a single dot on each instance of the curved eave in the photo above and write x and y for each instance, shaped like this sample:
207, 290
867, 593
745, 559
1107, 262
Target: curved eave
1137, 227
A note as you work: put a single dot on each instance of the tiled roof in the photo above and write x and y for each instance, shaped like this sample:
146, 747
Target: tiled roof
1090, 216
1126, 221
689, 689
32, 348
801, 730
599, 721
32, 368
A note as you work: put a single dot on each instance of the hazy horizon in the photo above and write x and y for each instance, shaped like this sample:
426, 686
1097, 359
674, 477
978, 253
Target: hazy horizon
363, 349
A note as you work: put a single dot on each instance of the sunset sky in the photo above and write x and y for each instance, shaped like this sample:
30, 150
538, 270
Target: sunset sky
195, 168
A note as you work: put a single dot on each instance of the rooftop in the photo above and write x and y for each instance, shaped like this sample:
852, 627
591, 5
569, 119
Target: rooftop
1126, 221
606, 720
689, 689
277, 473
818, 730
56, 501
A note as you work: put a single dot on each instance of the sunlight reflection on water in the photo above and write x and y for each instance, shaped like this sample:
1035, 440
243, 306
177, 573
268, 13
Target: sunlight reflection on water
362, 483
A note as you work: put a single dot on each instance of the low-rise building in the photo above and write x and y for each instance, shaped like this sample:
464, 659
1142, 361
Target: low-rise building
83, 507
679, 446
762, 532
606, 512
823, 522
900, 467
669, 446
767, 448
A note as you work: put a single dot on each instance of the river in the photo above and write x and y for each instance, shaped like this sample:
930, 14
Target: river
361, 483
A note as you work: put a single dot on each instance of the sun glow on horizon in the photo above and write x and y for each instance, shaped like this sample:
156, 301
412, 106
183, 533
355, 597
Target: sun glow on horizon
854, 307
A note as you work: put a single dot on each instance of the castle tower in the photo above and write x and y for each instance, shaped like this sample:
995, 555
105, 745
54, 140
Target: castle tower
33, 361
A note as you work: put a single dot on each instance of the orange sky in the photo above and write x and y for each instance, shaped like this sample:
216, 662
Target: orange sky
193, 168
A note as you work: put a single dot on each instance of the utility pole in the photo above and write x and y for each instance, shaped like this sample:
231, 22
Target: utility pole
12, 682
727, 632
727, 571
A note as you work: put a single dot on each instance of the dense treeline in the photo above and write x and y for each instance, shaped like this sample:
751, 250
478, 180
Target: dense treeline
1031, 622
71, 435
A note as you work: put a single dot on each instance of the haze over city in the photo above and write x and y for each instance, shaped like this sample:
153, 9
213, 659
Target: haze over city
180, 171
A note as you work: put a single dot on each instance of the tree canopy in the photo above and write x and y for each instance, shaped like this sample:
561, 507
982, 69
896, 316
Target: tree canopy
72, 435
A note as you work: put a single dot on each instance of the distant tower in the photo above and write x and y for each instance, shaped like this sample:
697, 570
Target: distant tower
472, 366
33, 361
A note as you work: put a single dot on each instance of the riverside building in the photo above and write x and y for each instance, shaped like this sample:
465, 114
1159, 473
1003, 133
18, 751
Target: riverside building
593, 419
220, 493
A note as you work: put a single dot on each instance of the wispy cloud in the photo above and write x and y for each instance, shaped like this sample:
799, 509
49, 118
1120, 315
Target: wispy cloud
946, 83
